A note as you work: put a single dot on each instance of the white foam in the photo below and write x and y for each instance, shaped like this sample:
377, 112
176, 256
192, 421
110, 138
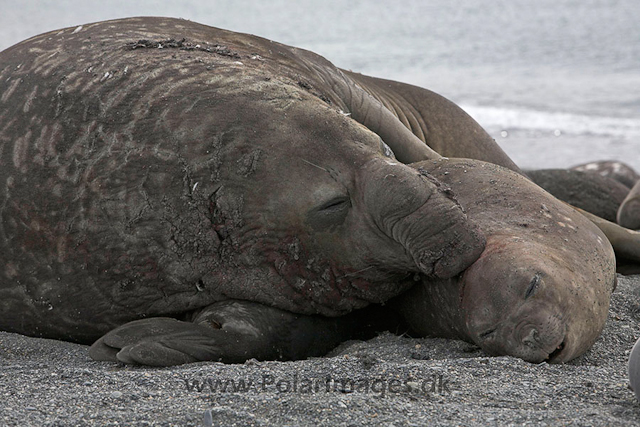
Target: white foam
554, 122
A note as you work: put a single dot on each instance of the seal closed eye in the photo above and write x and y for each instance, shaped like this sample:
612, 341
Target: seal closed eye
533, 286
330, 214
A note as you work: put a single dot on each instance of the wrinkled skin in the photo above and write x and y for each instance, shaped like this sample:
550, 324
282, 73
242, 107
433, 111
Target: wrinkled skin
540, 291
139, 182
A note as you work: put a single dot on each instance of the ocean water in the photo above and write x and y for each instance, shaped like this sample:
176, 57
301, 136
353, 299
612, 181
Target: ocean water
556, 82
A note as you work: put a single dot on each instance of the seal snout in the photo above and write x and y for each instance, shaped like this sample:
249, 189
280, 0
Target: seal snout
541, 338
540, 346
531, 339
536, 339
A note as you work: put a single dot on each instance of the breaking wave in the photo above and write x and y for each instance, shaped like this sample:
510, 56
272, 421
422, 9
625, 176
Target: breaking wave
497, 118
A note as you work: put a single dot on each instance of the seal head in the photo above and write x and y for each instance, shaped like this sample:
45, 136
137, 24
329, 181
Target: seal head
524, 308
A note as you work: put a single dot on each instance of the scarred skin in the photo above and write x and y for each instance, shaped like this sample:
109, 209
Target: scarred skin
540, 291
139, 181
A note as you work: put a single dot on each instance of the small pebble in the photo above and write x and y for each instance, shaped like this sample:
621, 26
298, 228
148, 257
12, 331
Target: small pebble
207, 420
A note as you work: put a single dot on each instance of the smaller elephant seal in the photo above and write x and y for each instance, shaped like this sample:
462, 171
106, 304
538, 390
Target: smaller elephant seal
540, 290
621, 172
628, 213
595, 193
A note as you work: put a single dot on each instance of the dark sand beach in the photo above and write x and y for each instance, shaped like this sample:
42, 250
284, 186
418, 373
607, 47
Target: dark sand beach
389, 380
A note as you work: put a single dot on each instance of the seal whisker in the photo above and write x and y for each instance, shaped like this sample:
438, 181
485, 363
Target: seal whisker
355, 273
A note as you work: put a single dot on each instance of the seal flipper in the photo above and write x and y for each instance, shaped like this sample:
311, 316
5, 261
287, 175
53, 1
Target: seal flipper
625, 242
230, 331
152, 342
629, 212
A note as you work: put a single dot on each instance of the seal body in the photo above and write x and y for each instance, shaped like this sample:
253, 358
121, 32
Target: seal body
628, 214
621, 172
595, 193
540, 290
154, 167
609, 190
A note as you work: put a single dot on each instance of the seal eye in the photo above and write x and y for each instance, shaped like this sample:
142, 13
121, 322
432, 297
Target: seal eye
533, 286
337, 204
329, 214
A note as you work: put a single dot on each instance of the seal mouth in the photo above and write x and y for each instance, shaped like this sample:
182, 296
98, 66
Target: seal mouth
487, 334
555, 354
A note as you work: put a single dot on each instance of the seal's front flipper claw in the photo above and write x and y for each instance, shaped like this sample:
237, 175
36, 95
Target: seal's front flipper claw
230, 331
149, 341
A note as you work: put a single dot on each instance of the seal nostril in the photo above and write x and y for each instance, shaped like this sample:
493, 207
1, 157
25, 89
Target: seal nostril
531, 339
556, 353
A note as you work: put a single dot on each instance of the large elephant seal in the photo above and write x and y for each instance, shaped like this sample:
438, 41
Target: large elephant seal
540, 290
158, 167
